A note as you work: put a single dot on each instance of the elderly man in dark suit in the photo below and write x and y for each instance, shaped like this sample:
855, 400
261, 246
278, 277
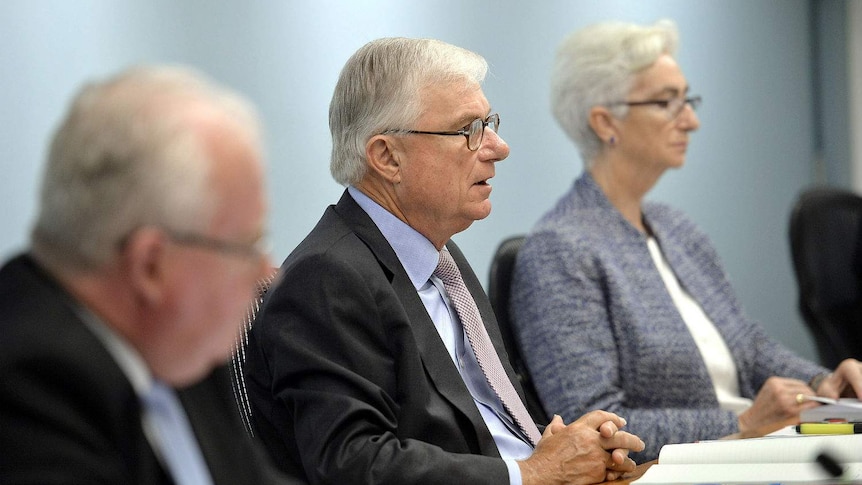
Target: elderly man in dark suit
377, 358
116, 323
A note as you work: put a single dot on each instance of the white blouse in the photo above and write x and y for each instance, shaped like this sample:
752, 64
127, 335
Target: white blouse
716, 356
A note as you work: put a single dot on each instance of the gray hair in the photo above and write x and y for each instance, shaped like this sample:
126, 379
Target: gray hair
596, 66
128, 155
379, 89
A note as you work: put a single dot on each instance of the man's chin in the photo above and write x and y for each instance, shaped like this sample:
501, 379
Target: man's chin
482, 212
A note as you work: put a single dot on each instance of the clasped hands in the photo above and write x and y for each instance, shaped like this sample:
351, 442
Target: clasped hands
777, 404
589, 450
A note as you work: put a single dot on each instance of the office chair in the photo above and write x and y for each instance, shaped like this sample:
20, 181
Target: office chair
826, 246
238, 356
499, 285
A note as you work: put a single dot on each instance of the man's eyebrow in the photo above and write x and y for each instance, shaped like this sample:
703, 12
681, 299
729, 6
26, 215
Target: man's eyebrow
671, 91
464, 120
469, 118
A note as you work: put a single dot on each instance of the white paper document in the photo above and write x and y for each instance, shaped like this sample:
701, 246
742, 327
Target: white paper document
765, 473
772, 459
848, 409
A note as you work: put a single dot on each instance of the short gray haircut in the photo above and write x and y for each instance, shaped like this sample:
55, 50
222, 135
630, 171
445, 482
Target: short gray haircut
596, 66
379, 89
129, 154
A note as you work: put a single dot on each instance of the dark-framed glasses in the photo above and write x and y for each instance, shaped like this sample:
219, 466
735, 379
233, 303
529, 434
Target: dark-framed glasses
475, 131
672, 107
254, 251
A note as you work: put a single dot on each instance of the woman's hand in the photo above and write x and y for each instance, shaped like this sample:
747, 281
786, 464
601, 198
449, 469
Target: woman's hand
845, 381
775, 407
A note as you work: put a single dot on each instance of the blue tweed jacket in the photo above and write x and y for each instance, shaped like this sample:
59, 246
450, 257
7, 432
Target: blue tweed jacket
600, 331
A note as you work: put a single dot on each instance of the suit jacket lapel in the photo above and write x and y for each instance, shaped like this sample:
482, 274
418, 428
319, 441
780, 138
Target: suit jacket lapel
435, 357
123, 408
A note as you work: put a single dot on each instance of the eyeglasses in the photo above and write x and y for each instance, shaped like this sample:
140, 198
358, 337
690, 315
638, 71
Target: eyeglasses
254, 251
475, 131
673, 107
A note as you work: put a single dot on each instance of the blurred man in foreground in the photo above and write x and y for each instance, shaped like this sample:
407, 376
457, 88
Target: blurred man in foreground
116, 321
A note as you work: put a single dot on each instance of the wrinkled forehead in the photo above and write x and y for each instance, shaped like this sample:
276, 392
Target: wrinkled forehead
451, 94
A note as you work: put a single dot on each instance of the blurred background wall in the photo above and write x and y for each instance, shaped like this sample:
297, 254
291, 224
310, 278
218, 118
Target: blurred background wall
775, 75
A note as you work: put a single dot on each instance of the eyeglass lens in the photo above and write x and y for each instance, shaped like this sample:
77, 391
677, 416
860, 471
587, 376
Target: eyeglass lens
678, 104
477, 130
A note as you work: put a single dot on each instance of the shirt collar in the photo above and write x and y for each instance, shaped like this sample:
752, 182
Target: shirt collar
129, 360
415, 252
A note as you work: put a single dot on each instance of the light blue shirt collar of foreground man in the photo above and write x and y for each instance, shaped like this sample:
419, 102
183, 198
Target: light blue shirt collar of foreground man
419, 258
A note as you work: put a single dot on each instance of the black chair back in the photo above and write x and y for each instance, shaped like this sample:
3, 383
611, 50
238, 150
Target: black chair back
826, 246
499, 286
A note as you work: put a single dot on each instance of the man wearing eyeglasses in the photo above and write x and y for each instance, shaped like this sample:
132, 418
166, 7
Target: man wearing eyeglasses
375, 359
117, 321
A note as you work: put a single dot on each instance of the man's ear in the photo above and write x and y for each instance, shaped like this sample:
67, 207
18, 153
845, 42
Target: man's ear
603, 123
383, 154
144, 262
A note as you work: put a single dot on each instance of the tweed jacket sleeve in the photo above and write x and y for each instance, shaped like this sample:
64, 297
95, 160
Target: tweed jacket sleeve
600, 331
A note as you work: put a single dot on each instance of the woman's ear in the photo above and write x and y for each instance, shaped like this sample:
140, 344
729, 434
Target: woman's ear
603, 124
383, 155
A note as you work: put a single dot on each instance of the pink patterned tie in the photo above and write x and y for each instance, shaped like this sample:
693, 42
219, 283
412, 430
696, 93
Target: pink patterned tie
481, 344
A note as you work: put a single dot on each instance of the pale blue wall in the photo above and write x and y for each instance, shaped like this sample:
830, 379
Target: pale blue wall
749, 59
831, 83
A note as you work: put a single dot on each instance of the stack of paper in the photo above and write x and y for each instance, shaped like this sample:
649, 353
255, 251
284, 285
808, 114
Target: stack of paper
847, 409
774, 459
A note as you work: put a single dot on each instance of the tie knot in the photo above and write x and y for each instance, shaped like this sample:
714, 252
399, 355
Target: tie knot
446, 269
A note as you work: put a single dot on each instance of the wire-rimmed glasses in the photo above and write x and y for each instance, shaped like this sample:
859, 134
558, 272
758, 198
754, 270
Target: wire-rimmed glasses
475, 131
673, 106
253, 251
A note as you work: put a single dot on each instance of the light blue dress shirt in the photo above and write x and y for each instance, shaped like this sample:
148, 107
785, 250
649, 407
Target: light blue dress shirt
164, 419
419, 258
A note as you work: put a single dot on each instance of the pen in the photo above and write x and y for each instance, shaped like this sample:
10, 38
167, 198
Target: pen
829, 428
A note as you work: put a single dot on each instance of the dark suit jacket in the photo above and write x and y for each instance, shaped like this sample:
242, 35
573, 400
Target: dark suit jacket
68, 414
349, 379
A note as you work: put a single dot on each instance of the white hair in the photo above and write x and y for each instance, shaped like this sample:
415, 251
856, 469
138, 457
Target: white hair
379, 89
596, 66
128, 155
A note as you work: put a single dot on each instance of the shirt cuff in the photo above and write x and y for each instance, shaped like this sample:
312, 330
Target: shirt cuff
514, 471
